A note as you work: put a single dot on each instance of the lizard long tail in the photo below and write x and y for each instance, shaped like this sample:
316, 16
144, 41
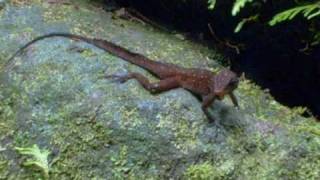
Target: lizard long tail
102, 44
10, 62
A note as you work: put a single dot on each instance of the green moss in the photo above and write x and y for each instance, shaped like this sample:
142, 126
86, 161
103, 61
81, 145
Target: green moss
88, 53
57, 14
120, 163
204, 171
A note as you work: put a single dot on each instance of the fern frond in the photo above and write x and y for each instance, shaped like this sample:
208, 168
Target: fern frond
212, 4
314, 14
238, 5
244, 21
308, 11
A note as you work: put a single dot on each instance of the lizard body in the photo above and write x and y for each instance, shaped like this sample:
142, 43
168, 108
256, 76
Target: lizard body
200, 82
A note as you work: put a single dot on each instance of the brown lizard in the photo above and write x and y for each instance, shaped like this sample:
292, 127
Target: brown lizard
200, 82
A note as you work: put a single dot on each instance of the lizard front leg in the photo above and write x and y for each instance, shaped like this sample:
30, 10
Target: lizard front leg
234, 99
206, 102
162, 85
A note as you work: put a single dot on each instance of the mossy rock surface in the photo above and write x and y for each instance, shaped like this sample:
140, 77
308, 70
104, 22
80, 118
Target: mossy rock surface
95, 128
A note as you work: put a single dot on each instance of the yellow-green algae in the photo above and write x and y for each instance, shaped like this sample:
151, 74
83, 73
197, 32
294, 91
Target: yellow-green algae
99, 129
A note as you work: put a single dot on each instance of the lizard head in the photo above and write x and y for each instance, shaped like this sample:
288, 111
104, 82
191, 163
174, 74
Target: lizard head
224, 82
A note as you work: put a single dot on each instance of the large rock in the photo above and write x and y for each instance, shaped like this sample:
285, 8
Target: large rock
54, 97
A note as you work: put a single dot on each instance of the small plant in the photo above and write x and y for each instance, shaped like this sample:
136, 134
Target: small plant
39, 158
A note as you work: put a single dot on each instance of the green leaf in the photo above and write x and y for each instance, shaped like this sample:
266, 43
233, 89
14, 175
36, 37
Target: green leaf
212, 4
314, 15
238, 5
240, 25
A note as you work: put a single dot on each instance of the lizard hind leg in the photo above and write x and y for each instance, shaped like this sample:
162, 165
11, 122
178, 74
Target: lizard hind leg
157, 87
